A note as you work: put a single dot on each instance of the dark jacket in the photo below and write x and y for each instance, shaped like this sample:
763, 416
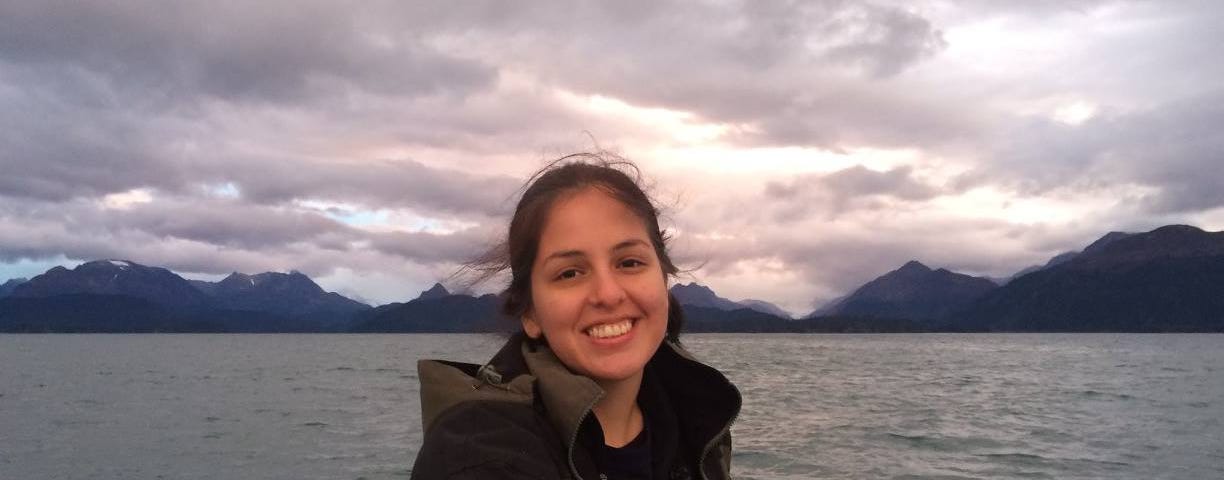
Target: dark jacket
524, 415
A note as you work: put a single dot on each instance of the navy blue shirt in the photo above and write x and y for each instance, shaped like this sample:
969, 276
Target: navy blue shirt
630, 462
653, 453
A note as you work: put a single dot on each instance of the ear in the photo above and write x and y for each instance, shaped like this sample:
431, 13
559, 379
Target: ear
530, 327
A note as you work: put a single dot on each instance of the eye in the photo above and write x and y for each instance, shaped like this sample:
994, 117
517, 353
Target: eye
631, 263
567, 274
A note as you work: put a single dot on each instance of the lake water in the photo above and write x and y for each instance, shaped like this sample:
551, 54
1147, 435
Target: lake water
816, 406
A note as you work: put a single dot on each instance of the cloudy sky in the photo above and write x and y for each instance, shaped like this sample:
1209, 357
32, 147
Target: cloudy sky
799, 148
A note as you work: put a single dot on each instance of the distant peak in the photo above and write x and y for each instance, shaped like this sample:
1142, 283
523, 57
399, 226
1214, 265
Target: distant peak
237, 280
275, 279
109, 262
296, 277
1104, 241
914, 265
436, 291
271, 275
702, 296
1111, 236
1178, 229
692, 286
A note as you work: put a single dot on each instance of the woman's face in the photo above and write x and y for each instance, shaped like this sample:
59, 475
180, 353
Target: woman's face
598, 293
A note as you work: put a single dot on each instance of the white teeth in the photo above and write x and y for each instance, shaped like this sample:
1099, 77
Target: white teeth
609, 330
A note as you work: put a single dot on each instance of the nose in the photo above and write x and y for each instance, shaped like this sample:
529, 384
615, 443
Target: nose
606, 289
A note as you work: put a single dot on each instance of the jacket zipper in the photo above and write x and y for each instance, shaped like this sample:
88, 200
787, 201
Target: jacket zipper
705, 451
574, 438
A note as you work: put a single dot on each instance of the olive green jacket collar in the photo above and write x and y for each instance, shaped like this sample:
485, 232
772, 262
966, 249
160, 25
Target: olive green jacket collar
524, 367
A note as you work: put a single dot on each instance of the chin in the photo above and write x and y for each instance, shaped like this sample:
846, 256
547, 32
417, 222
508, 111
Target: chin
613, 370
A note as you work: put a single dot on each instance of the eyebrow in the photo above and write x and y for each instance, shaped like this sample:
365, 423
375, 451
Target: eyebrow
633, 242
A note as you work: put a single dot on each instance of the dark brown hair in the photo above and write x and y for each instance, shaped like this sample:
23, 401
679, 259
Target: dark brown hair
616, 176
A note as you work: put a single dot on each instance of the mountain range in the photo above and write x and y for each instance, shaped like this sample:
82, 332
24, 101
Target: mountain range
693, 294
436, 310
124, 296
1167, 279
8, 286
913, 292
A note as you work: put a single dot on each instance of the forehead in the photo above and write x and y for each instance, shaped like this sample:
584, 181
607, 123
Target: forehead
589, 218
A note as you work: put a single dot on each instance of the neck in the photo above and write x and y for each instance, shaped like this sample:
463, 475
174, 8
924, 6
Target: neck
618, 412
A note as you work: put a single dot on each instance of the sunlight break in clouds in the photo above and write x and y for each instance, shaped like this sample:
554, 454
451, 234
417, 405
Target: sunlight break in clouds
1075, 113
125, 200
670, 125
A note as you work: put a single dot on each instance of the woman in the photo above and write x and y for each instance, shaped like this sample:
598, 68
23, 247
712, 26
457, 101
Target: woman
596, 385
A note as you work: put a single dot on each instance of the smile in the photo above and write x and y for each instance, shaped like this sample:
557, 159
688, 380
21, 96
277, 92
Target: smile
610, 330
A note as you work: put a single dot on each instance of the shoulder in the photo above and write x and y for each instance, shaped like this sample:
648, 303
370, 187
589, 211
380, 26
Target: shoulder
489, 439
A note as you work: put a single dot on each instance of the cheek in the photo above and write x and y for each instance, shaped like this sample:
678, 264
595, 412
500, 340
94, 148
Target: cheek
554, 310
652, 296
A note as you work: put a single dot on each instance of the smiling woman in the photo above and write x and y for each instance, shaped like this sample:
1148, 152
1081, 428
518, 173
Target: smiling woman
596, 385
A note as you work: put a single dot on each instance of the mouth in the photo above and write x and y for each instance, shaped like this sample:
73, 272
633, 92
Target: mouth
610, 330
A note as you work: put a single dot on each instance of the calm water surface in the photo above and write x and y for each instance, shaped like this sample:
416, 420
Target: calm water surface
816, 406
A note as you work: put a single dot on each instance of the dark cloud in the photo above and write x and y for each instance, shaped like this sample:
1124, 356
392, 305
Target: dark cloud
217, 236
852, 182
58, 147
772, 65
376, 184
255, 228
844, 191
836, 115
884, 41
84, 153
1178, 149
270, 52
452, 248
118, 89
98, 99
1174, 149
